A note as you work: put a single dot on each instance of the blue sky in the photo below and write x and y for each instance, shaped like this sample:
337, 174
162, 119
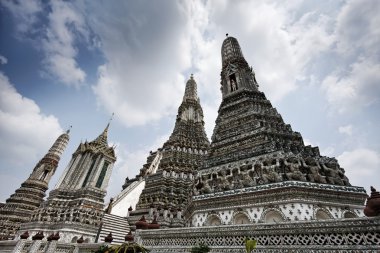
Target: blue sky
74, 63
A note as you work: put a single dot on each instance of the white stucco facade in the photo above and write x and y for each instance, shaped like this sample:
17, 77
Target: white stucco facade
128, 197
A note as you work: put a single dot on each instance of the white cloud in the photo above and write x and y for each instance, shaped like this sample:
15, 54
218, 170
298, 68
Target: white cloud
358, 30
329, 151
355, 83
258, 36
147, 54
3, 60
25, 13
362, 166
24, 132
357, 89
65, 24
345, 130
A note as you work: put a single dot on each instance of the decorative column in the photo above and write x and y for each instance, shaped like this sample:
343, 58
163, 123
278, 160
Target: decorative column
20, 244
37, 240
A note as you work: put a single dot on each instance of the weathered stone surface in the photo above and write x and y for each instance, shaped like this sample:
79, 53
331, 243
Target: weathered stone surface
257, 162
167, 191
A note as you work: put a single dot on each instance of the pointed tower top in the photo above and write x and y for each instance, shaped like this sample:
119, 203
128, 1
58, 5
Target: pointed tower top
60, 144
189, 126
191, 89
231, 50
103, 137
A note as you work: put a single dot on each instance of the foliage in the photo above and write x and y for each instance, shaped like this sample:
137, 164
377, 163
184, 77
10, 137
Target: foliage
202, 248
102, 249
250, 245
130, 247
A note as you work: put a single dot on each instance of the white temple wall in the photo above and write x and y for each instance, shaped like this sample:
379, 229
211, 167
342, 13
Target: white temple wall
293, 211
128, 197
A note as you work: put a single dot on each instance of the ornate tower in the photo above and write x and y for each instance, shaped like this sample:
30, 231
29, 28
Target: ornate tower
236, 73
29, 196
75, 206
90, 166
257, 168
167, 191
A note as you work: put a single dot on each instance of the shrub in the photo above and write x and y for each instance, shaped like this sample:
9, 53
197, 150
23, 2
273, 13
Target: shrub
202, 248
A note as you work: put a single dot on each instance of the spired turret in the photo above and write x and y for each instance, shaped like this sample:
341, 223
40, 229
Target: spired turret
90, 166
76, 204
167, 191
231, 51
20, 206
236, 74
189, 127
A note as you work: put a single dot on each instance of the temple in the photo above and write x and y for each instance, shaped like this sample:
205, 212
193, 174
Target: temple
258, 169
259, 180
256, 179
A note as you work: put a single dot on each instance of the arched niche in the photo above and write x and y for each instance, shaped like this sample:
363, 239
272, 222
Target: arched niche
241, 218
74, 240
213, 220
273, 216
322, 214
349, 215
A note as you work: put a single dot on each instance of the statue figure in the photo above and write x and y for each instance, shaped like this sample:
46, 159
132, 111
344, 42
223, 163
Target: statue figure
293, 172
247, 180
331, 172
343, 177
313, 171
214, 185
206, 188
224, 183
270, 176
237, 183
233, 85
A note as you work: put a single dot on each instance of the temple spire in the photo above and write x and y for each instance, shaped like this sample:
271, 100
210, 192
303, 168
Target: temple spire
189, 112
231, 50
236, 74
174, 164
103, 137
60, 144
20, 205
191, 89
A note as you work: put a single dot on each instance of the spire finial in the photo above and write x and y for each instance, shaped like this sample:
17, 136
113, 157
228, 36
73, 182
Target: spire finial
226, 34
111, 118
68, 130
192, 76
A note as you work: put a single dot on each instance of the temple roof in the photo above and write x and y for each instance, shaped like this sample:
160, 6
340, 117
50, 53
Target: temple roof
100, 144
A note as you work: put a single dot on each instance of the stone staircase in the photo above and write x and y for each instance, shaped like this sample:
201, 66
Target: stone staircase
117, 225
